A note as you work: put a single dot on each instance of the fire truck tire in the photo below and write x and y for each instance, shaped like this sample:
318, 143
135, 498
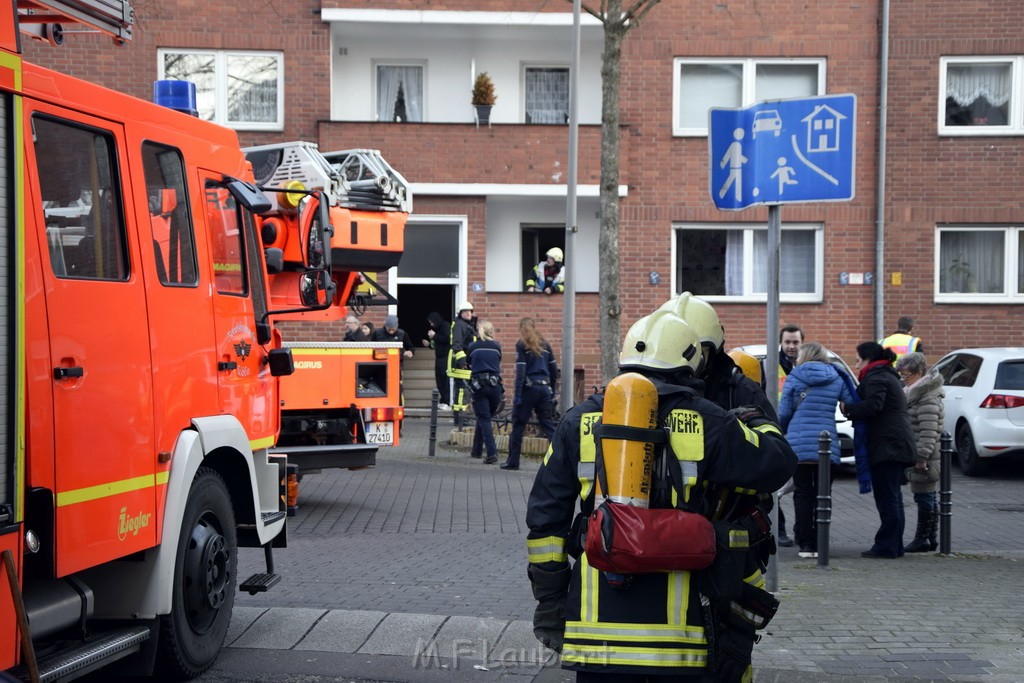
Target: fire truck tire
192, 635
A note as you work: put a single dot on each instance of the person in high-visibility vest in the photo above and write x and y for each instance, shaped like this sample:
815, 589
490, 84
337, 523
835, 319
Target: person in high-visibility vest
901, 341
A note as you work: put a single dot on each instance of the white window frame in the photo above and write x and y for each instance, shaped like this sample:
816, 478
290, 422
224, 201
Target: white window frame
221, 84
1011, 248
748, 296
748, 86
376, 63
1016, 112
526, 66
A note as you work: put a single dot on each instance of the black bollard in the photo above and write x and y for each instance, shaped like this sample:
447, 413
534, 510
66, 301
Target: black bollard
945, 494
434, 396
824, 518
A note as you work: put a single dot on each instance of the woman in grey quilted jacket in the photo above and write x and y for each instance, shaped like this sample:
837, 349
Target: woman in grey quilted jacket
924, 403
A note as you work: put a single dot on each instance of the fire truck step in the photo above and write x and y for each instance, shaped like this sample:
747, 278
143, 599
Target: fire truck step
259, 583
99, 651
271, 517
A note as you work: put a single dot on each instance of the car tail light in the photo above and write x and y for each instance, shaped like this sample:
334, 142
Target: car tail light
380, 354
1002, 401
383, 414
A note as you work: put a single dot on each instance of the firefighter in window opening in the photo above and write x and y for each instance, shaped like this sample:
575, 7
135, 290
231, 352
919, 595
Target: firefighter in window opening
463, 333
675, 624
548, 276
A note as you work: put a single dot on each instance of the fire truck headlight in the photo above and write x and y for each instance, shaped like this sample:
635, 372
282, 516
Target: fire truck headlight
32, 541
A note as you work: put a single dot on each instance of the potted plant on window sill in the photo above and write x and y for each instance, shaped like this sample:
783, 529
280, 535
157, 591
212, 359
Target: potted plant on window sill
483, 97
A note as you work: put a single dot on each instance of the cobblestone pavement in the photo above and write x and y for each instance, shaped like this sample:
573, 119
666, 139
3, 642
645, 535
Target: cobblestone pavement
415, 571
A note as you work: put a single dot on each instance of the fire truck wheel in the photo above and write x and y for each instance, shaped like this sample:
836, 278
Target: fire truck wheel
192, 635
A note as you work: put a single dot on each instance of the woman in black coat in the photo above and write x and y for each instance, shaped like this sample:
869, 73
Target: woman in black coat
883, 406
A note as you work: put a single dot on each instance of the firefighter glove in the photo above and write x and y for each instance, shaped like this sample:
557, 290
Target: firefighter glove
549, 588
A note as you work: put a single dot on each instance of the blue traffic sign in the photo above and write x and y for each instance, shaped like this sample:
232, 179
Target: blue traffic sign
783, 152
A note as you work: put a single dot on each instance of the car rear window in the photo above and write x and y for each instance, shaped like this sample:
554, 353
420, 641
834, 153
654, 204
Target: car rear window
1010, 375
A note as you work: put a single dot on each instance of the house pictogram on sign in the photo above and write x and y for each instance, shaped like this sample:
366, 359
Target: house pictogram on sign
823, 129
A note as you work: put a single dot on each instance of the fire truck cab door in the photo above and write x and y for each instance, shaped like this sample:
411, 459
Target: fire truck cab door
99, 364
245, 386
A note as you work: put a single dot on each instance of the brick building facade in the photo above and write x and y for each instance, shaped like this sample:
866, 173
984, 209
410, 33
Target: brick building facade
950, 187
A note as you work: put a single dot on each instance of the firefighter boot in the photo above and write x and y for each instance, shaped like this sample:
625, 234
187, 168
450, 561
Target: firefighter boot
920, 544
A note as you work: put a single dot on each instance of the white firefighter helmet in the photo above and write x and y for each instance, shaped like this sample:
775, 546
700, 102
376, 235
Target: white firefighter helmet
661, 341
699, 315
555, 253
465, 306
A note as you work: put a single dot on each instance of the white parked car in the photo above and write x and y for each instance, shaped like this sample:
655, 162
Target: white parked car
844, 427
984, 404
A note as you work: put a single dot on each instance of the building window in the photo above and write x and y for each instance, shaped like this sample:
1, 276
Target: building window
730, 262
981, 95
701, 84
536, 240
399, 92
243, 90
547, 95
980, 264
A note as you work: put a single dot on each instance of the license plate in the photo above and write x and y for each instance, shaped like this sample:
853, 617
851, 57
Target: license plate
380, 433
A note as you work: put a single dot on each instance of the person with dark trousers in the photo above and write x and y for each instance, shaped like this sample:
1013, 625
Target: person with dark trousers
536, 377
808, 408
391, 332
890, 435
463, 333
439, 338
667, 625
485, 381
790, 339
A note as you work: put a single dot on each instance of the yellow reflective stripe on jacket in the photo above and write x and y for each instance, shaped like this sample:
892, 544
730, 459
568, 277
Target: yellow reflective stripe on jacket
678, 597
625, 655
547, 549
750, 435
739, 538
589, 580
655, 633
547, 456
756, 579
588, 453
767, 429
686, 438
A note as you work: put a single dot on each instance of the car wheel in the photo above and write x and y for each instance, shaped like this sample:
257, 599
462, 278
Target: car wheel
967, 454
192, 635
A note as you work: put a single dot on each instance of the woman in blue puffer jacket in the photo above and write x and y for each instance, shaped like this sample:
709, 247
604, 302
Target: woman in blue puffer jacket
807, 407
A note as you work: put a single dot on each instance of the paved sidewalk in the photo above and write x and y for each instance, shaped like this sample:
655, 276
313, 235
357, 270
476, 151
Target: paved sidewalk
415, 571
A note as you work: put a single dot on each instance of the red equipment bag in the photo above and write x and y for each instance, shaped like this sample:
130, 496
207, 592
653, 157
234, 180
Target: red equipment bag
634, 540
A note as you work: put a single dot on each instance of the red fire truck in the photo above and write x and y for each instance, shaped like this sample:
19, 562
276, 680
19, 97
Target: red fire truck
140, 399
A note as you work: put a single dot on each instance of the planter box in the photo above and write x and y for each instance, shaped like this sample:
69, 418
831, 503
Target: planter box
532, 445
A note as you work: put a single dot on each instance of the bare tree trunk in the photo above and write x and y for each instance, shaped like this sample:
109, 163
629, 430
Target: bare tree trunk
608, 241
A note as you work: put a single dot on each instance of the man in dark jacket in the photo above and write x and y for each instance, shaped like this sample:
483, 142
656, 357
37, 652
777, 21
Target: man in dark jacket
463, 334
883, 406
439, 338
391, 332
684, 625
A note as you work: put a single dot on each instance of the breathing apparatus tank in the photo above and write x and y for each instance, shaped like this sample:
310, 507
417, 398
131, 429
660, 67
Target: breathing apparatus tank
631, 400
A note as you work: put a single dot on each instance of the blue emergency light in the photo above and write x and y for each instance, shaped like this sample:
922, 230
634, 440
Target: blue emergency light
177, 95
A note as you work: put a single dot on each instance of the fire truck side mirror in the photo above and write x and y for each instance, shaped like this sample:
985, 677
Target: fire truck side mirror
316, 215
248, 195
316, 289
281, 363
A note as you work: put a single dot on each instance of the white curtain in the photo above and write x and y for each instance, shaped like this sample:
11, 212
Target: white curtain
547, 95
796, 262
971, 261
966, 83
702, 86
389, 80
734, 263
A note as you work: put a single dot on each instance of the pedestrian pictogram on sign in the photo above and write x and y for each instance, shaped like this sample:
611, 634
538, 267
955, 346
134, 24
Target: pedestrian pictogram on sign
783, 152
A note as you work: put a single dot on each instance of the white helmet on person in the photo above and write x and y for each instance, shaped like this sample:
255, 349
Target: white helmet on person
699, 315
555, 253
465, 306
661, 341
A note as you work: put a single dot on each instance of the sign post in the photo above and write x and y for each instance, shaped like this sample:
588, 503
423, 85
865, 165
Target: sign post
781, 152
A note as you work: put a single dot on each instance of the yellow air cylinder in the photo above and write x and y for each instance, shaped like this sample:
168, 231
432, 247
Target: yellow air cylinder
630, 400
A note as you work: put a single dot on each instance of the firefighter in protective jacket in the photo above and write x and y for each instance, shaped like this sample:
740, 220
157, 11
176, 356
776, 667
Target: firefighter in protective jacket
548, 276
463, 333
678, 624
